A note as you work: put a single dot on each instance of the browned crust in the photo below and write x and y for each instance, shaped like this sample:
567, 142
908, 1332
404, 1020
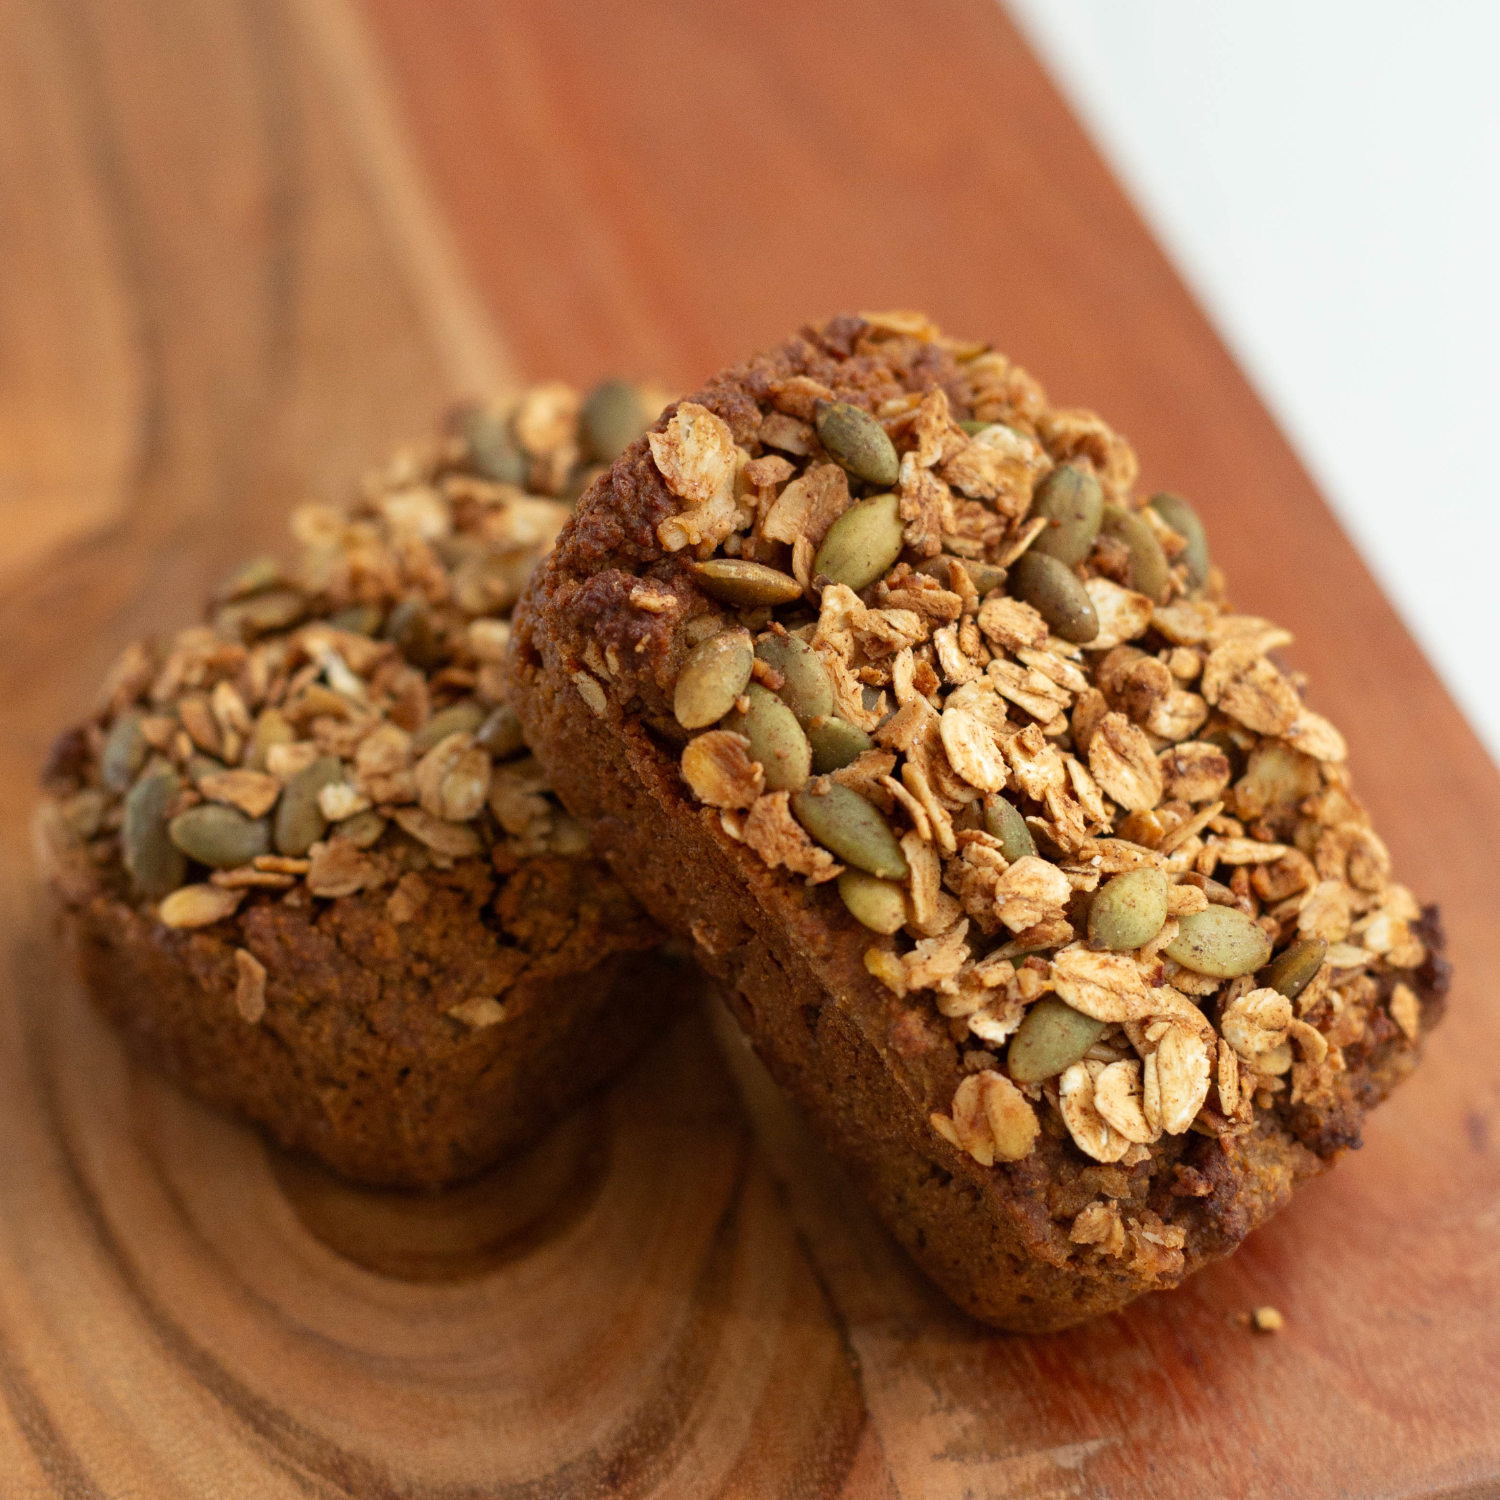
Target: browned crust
356, 1060
791, 958
790, 961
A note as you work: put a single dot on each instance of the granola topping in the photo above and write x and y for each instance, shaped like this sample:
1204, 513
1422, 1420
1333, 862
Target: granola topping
339, 725
1036, 685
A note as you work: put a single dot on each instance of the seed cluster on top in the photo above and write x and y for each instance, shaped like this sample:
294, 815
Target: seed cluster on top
340, 725
968, 675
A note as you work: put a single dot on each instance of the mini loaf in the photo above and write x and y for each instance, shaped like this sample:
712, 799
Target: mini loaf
1025, 866
308, 864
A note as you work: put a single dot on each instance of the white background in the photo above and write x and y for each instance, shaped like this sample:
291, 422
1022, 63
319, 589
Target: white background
1326, 175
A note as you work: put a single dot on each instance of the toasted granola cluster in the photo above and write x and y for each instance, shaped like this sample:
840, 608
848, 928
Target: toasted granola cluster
936, 592
339, 725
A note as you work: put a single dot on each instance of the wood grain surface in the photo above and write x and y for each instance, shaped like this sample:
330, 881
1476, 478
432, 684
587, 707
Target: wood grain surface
247, 244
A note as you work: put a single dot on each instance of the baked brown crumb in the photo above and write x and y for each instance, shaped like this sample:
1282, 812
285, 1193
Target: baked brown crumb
1116, 836
264, 806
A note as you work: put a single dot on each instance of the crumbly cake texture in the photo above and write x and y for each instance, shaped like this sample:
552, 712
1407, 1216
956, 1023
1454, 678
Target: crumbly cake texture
308, 865
1102, 957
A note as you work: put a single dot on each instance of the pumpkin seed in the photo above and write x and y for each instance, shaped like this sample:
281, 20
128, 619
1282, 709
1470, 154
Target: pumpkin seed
501, 734
877, 904
745, 584
1129, 910
1221, 942
358, 619
457, 718
155, 863
1052, 1037
862, 543
835, 743
198, 906
1004, 822
806, 689
219, 836
776, 739
971, 426
410, 627
850, 828
984, 576
713, 676
1291, 972
124, 751
1148, 563
857, 442
1072, 503
199, 766
611, 420
1183, 519
1052, 589
299, 820
277, 609
271, 728
493, 449
251, 577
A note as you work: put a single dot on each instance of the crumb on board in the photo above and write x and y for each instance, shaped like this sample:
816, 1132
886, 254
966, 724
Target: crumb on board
1266, 1320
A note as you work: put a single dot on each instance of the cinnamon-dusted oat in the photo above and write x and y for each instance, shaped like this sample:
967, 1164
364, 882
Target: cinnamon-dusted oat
1058, 696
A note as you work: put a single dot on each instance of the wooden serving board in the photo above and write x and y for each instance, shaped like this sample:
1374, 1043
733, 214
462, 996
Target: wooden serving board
246, 244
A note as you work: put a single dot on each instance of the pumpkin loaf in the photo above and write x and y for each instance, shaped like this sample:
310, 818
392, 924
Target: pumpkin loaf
307, 863
1015, 847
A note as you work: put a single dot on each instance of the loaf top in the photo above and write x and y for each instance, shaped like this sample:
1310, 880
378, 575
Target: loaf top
338, 725
915, 639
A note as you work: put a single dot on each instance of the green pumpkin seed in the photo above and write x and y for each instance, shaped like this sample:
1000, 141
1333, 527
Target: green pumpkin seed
199, 766
877, 904
299, 820
457, 718
493, 449
1052, 1037
220, 836
1183, 519
1054, 592
835, 743
745, 584
712, 678
1291, 972
1221, 942
1129, 910
155, 863
252, 577
1072, 503
857, 442
612, 419
864, 542
501, 734
1004, 822
776, 739
851, 829
806, 689
276, 609
124, 753
271, 728
971, 426
410, 627
1148, 563
358, 619
984, 576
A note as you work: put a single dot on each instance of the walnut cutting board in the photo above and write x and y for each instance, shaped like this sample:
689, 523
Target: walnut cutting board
249, 242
